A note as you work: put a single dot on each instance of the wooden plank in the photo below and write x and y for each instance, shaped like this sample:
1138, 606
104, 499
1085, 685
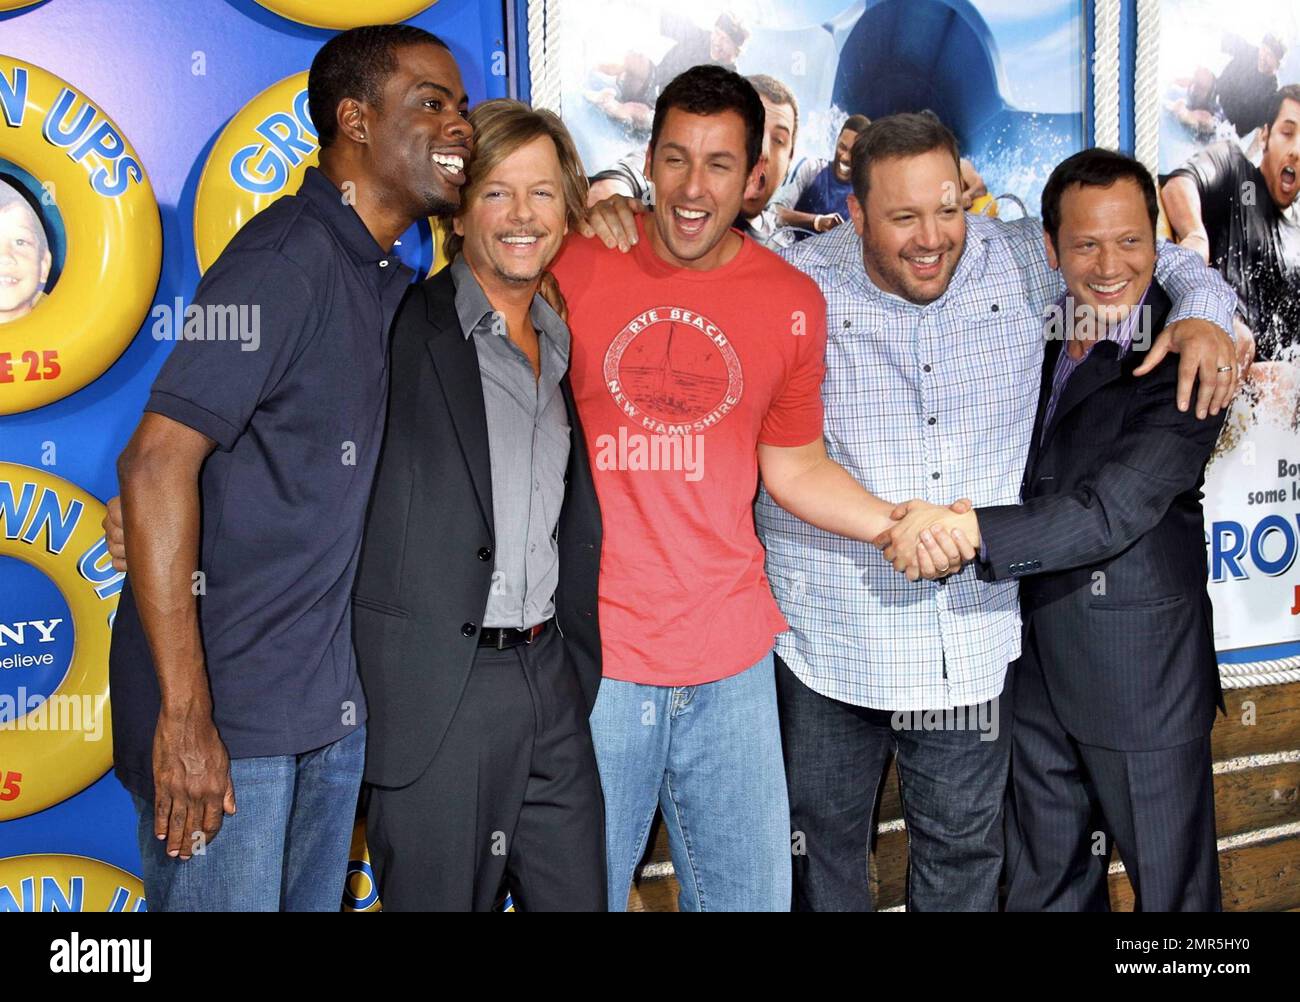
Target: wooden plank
890, 867
658, 895
1275, 712
1263, 877
1261, 797
891, 806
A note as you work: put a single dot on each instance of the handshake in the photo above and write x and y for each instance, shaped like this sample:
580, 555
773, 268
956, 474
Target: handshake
929, 541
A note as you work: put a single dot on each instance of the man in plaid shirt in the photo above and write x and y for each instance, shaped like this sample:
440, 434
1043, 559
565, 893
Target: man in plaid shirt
934, 349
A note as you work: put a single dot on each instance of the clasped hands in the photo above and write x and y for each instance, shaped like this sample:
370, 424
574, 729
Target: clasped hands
930, 541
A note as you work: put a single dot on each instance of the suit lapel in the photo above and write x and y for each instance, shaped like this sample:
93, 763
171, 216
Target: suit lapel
455, 363
1050, 355
1103, 364
1100, 368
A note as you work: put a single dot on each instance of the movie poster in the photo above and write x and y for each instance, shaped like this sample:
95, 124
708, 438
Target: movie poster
1229, 156
1007, 77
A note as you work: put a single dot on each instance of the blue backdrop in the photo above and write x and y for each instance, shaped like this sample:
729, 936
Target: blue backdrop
135, 59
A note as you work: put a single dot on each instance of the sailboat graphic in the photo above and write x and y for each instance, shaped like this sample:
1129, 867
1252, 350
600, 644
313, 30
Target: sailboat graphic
666, 385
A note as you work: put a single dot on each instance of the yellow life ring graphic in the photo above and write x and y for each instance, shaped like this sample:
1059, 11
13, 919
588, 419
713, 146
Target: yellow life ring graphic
89, 181
261, 154
342, 14
17, 4
54, 882
360, 891
53, 746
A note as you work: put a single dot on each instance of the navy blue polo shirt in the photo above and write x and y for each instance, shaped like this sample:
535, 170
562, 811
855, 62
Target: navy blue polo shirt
296, 404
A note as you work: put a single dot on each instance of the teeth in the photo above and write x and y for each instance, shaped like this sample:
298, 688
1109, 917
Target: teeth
523, 241
1106, 289
691, 213
928, 260
453, 164
6, 280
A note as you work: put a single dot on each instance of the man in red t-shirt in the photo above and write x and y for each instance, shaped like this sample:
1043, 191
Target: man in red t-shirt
696, 365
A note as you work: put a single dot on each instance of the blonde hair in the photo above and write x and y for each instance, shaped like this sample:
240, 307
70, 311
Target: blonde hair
501, 127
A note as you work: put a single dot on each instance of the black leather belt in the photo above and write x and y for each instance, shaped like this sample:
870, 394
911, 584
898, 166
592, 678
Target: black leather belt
502, 637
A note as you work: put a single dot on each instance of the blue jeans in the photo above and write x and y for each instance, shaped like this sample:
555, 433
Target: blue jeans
284, 849
710, 756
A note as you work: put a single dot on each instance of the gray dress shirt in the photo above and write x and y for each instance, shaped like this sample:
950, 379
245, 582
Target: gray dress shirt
528, 439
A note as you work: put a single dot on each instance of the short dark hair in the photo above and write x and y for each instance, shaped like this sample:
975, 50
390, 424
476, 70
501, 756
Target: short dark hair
1291, 92
711, 90
855, 123
1271, 41
1095, 168
357, 63
778, 94
909, 134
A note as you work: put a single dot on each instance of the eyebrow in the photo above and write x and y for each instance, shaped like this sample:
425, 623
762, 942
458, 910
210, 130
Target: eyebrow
708, 156
546, 182
430, 85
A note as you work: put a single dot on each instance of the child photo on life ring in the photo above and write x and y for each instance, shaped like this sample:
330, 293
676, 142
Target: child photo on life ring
25, 257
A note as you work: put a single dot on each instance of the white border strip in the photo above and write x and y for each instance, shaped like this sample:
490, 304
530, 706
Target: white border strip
544, 54
1146, 86
1105, 73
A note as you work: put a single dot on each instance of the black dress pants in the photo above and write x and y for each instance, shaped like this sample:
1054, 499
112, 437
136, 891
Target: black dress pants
1066, 800
512, 794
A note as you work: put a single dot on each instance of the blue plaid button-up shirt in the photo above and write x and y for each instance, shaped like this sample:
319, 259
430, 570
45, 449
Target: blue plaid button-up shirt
933, 402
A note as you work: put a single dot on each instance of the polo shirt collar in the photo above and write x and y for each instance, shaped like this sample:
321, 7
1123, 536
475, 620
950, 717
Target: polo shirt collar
342, 219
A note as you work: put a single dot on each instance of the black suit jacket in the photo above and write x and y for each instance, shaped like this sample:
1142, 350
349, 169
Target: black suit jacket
426, 557
1109, 543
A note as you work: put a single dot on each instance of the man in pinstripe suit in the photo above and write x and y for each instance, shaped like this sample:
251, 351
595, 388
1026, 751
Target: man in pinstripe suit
1115, 692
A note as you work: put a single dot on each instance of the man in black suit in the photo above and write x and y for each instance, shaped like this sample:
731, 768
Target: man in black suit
1114, 695
475, 602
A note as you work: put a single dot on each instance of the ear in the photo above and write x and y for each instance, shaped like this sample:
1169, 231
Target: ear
1048, 246
46, 261
458, 227
649, 161
858, 214
754, 183
351, 119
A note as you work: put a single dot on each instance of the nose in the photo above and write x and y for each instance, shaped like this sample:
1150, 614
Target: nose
929, 232
521, 209
1106, 260
695, 186
459, 128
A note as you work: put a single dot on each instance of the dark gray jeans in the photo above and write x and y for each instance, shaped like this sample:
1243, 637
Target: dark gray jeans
952, 775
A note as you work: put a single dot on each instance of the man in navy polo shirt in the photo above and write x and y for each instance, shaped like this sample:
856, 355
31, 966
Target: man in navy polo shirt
236, 704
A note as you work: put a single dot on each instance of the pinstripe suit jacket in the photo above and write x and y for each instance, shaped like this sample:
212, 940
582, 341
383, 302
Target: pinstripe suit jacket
1109, 546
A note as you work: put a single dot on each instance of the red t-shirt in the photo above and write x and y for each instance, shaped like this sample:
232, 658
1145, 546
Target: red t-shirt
678, 376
